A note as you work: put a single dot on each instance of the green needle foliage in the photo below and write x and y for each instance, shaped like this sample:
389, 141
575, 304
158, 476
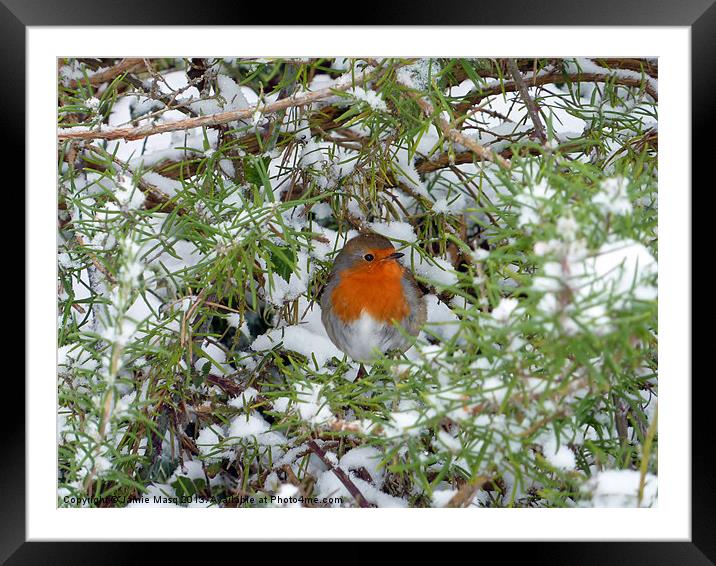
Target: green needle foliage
193, 367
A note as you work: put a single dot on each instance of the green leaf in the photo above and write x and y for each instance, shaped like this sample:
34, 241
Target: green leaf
186, 487
283, 260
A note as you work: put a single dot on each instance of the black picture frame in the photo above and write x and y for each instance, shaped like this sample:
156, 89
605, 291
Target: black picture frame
699, 15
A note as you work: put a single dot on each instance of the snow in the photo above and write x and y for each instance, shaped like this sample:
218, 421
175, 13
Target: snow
620, 488
299, 340
559, 455
169, 187
589, 66
371, 98
502, 312
394, 230
613, 198
405, 171
235, 320
449, 442
215, 357
244, 399
74, 130
183, 254
480, 254
128, 324
74, 356
278, 290
494, 137
328, 485
436, 270
360, 73
328, 163
206, 442
128, 195
142, 105
623, 266
253, 427
312, 405
416, 75
231, 98
73, 71
532, 202
441, 319
428, 141
568, 227
618, 273
367, 457
245, 426
441, 497
402, 423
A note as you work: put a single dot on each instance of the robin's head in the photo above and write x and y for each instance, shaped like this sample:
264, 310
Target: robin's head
367, 253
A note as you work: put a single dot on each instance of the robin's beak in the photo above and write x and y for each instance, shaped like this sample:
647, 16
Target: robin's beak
396, 255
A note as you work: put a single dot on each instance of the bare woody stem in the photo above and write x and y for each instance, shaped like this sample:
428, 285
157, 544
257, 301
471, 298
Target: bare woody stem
532, 109
107, 75
457, 136
340, 474
557, 77
219, 118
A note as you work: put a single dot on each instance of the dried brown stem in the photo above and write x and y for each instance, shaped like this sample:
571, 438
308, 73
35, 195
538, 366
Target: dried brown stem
638, 65
107, 75
340, 474
467, 492
458, 137
557, 77
94, 260
140, 132
154, 195
532, 109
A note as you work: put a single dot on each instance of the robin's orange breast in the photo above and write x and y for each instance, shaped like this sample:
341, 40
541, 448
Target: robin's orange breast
376, 290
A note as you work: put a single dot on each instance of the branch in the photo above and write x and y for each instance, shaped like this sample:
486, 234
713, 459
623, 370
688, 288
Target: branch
528, 100
98, 265
557, 77
467, 492
638, 65
154, 195
458, 137
340, 474
141, 132
480, 150
108, 74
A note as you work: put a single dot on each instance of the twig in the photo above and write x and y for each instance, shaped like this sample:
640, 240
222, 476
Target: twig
458, 137
557, 77
153, 194
480, 150
108, 74
646, 453
467, 492
141, 132
225, 384
340, 474
532, 109
94, 260
638, 65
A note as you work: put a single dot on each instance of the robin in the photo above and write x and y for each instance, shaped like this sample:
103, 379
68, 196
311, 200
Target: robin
370, 297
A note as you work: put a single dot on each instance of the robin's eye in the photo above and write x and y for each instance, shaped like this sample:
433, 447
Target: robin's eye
368, 257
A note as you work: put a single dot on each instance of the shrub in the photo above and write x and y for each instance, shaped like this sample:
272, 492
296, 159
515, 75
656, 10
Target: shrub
193, 365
